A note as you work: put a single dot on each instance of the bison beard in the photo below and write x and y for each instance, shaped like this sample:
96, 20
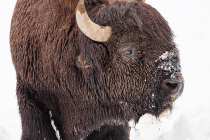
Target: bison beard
91, 89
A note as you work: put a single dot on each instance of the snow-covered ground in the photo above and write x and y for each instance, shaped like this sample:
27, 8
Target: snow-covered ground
190, 120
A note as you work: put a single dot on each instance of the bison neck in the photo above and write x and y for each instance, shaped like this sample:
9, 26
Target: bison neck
97, 119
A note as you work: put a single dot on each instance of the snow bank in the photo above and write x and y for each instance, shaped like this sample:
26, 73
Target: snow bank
180, 125
168, 127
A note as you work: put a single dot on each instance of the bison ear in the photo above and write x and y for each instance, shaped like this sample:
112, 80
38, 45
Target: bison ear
81, 64
92, 58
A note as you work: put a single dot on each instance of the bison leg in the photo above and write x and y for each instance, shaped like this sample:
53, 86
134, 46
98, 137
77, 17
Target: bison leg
36, 122
109, 132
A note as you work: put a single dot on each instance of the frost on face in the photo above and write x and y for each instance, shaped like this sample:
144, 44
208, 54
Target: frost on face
169, 61
163, 56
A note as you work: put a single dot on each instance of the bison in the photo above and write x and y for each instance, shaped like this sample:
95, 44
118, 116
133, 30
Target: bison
91, 66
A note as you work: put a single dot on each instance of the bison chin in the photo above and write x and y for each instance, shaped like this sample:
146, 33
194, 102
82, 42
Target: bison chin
169, 91
160, 100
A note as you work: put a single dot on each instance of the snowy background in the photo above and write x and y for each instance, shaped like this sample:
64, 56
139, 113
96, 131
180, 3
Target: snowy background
190, 120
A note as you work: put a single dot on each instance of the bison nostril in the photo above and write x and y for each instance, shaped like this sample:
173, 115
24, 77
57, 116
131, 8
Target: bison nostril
172, 86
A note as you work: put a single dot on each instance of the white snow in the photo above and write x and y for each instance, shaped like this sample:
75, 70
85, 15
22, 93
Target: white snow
167, 127
190, 119
167, 65
145, 126
4, 134
164, 56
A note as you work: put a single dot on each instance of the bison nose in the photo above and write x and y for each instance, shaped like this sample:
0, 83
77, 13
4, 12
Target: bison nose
173, 87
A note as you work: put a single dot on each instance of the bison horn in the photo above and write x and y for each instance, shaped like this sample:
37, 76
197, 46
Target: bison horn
89, 28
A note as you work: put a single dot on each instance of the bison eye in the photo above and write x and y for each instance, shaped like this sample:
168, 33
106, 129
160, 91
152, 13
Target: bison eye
128, 52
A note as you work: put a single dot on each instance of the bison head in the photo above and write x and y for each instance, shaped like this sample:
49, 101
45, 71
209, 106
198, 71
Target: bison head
130, 52
128, 58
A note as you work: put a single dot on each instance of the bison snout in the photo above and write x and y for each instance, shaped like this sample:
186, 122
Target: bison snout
173, 88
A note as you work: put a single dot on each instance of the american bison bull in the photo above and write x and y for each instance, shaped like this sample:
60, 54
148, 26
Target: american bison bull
91, 66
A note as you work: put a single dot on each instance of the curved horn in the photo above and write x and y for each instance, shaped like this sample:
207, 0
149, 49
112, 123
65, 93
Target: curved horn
89, 28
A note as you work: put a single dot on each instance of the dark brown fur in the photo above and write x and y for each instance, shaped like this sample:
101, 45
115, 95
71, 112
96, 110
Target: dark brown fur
86, 85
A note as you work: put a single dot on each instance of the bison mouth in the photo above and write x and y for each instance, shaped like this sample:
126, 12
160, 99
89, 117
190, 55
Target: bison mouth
169, 91
160, 100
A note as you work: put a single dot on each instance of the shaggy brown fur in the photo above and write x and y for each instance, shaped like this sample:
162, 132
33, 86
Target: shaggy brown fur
92, 89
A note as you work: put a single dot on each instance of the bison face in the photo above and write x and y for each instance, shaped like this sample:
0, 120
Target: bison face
144, 78
138, 67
